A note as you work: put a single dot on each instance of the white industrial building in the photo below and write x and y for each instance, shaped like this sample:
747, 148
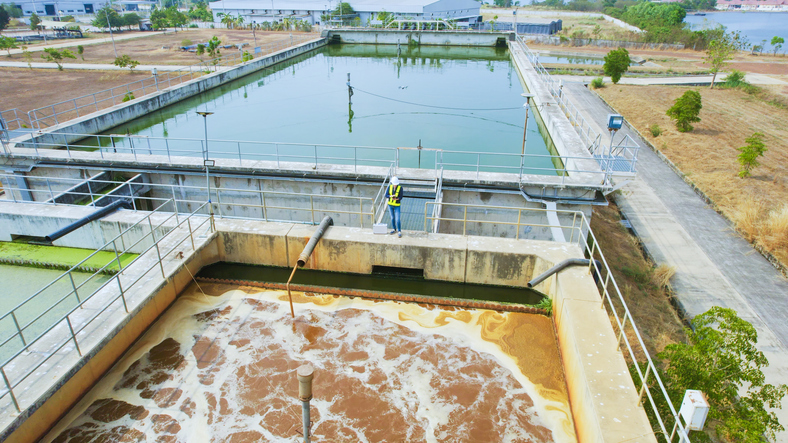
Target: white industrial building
57, 8
259, 11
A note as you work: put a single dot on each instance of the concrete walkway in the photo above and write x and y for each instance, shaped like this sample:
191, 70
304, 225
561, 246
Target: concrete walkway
714, 265
89, 66
755, 79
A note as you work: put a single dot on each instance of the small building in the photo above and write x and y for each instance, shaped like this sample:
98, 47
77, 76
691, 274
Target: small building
259, 11
58, 8
752, 5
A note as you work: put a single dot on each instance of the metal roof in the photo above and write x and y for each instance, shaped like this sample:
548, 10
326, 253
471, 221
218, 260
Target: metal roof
398, 6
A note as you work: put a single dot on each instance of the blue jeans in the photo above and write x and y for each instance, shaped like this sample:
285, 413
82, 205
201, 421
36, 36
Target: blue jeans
396, 218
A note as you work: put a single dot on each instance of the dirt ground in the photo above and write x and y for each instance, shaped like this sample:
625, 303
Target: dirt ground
708, 154
164, 49
26, 89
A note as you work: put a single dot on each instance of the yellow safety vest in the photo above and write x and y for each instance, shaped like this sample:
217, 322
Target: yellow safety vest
394, 195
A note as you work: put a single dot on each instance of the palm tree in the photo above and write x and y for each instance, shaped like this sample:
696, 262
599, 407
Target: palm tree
239, 20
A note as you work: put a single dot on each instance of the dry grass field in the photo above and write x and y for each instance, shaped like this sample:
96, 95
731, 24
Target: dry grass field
758, 205
642, 285
164, 49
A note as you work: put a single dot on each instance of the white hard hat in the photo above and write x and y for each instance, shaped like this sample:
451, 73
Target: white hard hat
394, 180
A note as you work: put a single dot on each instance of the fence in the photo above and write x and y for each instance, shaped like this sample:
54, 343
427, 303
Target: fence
41, 338
227, 202
591, 138
283, 155
611, 297
66, 110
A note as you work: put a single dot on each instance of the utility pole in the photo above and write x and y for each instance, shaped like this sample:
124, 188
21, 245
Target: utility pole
207, 163
109, 9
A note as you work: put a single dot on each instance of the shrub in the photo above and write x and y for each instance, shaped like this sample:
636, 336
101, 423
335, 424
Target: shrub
128, 96
193, 25
735, 79
685, 110
655, 130
616, 63
748, 158
186, 42
597, 83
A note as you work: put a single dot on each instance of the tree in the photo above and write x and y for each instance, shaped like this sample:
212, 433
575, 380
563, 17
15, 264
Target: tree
616, 63
55, 56
748, 158
213, 46
35, 20
722, 361
107, 17
777, 43
12, 10
685, 110
722, 49
158, 19
385, 18
126, 61
175, 18
130, 19
226, 19
8, 43
4, 18
200, 12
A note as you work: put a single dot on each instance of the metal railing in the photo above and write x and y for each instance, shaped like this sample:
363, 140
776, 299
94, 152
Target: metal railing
74, 108
275, 206
611, 296
620, 157
284, 155
115, 287
586, 132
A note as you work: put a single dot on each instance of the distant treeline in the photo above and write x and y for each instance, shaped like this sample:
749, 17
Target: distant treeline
663, 22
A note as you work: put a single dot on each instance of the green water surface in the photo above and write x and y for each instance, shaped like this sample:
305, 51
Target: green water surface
446, 98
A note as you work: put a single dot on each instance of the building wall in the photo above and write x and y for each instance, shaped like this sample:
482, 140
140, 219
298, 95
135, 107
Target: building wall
60, 7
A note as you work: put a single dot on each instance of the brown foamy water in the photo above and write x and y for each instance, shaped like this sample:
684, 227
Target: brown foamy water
222, 368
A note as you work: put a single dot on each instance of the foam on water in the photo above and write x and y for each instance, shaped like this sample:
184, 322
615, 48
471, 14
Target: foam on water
224, 367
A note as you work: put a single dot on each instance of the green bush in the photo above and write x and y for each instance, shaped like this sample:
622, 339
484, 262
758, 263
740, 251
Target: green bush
735, 79
67, 18
686, 110
193, 25
655, 130
186, 42
128, 96
748, 159
597, 83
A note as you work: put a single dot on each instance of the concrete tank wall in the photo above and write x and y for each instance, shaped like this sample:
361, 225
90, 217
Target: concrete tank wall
109, 118
392, 37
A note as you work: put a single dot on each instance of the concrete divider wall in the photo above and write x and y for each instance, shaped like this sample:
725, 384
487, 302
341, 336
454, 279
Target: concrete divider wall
603, 398
109, 118
234, 192
393, 36
37, 220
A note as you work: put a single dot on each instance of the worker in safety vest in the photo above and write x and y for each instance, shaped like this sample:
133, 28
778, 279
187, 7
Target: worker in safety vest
394, 200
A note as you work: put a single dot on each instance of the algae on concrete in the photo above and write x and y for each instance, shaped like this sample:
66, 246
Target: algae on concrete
61, 257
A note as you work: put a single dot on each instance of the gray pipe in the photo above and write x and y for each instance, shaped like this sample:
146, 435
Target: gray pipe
117, 204
557, 268
321, 229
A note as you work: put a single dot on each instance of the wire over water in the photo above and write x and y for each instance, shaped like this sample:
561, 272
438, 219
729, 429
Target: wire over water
436, 107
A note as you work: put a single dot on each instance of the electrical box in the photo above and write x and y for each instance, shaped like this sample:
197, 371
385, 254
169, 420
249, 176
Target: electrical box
694, 409
614, 122
379, 228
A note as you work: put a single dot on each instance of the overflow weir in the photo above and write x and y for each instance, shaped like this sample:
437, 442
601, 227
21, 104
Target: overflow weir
475, 224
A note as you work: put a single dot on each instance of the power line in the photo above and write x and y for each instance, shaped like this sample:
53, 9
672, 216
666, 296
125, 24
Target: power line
437, 107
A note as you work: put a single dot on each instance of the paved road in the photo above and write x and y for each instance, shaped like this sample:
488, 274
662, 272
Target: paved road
714, 265
755, 79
